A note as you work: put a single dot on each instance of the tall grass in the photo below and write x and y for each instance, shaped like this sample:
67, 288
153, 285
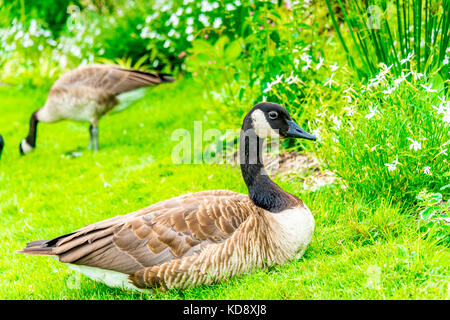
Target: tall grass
398, 33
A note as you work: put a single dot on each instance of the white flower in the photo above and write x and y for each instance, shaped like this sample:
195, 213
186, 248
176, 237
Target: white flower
393, 166
189, 29
351, 110
330, 81
320, 63
174, 20
372, 112
277, 79
426, 170
410, 55
307, 66
417, 75
428, 89
269, 87
230, 7
217, 23
336, 121
305, 57
349, 89
204, 19
206, 6
389, 91
446, 117
445, 61
444, 109
317, 134
291, 79
323, 113
414, 145
334, 67
401, 78
443, 151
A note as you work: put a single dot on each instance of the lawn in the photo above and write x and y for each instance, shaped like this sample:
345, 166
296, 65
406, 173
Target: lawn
361, 249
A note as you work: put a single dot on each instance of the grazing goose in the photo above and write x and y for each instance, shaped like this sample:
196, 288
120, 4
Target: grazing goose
198, 238
86, 94
2, 144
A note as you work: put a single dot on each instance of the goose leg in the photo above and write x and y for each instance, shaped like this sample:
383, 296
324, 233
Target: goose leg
93, 141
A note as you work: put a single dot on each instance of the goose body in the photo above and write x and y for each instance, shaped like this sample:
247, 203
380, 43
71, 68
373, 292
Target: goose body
198, 238
86, 94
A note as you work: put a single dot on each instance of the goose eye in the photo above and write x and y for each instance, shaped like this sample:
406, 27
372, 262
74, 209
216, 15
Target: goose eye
273, 115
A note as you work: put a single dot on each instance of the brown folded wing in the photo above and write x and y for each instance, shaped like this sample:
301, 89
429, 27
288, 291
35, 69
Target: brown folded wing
174, 228
112, 79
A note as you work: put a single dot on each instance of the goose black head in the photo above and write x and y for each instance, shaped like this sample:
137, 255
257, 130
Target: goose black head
272, 120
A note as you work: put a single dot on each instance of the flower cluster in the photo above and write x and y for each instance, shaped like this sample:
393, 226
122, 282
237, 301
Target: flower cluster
172, 27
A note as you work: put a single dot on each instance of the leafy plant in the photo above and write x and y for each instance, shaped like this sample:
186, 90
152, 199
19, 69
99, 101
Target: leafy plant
390, 136
435, 215
390, 32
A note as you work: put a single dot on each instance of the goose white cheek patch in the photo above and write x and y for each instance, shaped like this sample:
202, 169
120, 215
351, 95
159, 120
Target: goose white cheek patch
261, 126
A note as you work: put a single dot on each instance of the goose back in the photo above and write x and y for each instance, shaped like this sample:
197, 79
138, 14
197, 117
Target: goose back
87, 93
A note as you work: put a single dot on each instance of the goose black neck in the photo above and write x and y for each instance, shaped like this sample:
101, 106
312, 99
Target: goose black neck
31, 137
262, 190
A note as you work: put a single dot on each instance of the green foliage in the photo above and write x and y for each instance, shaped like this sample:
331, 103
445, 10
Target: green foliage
53, 14
391, 31
382, 128
435, 215
390, 138
238, 72
360, 250
172, 26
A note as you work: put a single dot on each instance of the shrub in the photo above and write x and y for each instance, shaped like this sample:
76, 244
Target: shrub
391, 136
276, 49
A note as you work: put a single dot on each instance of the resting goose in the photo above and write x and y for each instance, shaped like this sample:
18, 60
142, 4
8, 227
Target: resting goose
198, 238
2, 144
86, 94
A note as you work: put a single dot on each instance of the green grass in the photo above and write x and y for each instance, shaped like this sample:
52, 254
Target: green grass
360, 249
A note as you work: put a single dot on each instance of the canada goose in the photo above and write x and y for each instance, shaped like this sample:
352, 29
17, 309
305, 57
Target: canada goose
198, 238
86, 94
2, 144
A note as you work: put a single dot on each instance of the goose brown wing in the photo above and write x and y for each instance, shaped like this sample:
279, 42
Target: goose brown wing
111, 79
171, 229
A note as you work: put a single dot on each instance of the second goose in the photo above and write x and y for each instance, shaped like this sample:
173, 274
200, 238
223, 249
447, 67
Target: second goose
198, 238
86, 94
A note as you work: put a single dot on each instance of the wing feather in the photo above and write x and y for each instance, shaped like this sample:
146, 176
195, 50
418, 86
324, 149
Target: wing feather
111, 79
171, 229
